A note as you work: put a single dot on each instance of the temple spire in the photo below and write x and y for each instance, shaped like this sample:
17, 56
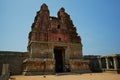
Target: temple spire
44, 7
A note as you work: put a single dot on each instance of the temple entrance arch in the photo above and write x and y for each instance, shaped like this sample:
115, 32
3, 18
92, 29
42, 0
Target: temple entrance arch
59, 55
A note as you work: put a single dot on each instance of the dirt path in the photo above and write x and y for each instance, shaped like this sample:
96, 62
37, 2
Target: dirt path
89, 76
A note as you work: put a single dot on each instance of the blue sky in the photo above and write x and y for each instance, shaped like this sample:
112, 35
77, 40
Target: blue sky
97, 22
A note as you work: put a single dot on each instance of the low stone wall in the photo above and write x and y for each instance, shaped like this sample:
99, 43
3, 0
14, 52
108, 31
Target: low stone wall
4, 77
14, 59
93, 62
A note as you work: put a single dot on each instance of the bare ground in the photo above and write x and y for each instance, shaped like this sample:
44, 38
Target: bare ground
88, 76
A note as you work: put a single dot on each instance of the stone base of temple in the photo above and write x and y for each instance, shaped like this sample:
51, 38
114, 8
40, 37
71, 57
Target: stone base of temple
80, 66
35, 66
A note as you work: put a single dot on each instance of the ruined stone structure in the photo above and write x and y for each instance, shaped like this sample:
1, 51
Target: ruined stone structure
93, 62
14, 60
110, 63
53, 44
11, 63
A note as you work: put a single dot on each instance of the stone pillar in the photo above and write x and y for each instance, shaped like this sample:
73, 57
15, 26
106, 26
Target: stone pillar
100, 63
107, 64
5, 69
115, 63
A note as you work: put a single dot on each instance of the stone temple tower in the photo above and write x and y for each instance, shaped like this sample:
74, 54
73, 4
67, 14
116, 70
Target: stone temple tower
53, 44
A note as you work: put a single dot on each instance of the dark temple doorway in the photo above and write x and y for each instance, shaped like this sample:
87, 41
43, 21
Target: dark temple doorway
59, 54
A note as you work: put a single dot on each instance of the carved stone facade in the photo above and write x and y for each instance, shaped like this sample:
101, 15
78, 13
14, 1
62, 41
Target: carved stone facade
53, 43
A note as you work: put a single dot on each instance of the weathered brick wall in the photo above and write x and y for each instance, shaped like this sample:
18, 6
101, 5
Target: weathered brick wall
14, 59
